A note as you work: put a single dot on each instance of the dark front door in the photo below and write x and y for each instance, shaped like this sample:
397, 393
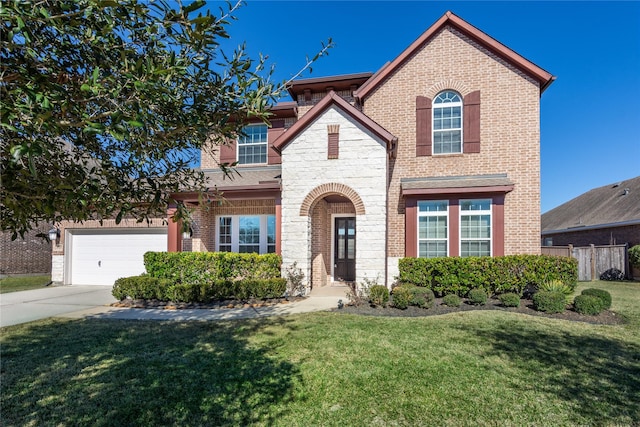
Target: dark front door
345, 250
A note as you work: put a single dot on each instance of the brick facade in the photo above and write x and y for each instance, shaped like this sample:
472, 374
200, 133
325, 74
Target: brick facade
28, 255
597, 236
510, 130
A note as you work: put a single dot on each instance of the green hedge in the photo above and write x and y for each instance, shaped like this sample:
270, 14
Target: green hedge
512, 273
145, 287
206, 267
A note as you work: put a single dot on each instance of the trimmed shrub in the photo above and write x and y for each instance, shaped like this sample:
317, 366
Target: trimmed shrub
401, 297
379, 295
145, 287
140, 287
498, 275
549, 301
600, 293
452, 300
612, 274
477, 296
558, 286
422, 297
205, 267
634, 256
510, 299
588, 304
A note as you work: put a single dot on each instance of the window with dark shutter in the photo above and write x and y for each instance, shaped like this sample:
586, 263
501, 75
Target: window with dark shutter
228, 152
471, 117
423, 126
276, 129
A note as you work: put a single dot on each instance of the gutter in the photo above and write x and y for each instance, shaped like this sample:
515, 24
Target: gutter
592, 227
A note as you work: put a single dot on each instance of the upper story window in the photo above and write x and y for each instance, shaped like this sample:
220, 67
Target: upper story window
447, 123
252, 146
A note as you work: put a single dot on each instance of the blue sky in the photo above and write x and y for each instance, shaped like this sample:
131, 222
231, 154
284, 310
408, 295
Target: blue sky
590, 116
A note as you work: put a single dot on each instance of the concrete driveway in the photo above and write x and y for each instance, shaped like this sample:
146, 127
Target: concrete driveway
26, 306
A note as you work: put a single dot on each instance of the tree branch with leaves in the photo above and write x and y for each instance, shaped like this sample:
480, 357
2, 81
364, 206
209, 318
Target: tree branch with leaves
105, 105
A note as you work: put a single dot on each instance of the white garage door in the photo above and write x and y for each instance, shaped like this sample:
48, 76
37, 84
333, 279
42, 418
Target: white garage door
101, 257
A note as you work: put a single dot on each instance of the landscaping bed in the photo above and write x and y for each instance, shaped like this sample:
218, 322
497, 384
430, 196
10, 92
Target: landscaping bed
526, 307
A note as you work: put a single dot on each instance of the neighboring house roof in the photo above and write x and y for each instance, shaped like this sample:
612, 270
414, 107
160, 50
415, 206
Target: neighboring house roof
456, 184
333, 99
543, 77
611, 205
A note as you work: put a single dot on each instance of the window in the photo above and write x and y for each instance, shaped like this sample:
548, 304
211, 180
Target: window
252, 146
475, 227
432, 228
447, 123
246, 234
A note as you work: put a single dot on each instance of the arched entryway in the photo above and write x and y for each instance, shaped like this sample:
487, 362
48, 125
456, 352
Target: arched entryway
333, 210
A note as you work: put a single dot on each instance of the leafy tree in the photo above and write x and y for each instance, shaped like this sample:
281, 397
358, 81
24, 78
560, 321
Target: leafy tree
105, 105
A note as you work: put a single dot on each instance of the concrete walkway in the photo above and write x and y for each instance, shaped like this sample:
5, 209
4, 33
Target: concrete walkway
94, 302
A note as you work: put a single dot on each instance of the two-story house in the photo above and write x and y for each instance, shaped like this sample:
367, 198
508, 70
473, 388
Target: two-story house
435, 154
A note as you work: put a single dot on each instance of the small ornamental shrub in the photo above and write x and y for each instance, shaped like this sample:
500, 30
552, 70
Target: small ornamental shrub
588, 304
549, 301
558, 286
401, 297
600, 293
422, 297
452, 300
634, 256
510, 299
295, 280
612, 274
477, 296
379, 295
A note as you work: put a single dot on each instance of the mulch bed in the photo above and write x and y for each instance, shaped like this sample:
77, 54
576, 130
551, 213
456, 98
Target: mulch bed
526, 307
226, 304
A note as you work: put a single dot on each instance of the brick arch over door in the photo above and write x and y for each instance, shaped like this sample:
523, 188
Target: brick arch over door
329, 189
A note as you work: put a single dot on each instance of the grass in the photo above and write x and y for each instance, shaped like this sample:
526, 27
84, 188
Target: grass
23, 283
473, 368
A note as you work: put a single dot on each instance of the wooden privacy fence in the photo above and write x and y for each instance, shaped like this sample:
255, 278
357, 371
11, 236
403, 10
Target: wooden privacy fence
593, 260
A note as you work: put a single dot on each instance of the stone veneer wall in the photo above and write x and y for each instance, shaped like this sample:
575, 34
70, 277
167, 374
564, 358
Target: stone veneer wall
361, 166
510, 132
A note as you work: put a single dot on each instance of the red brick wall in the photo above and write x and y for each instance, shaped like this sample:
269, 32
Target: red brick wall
603, 236
28, 255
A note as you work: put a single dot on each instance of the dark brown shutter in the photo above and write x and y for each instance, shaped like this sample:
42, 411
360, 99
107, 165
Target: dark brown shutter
228, 152
333, 147
276, 129
471, 129
423, 126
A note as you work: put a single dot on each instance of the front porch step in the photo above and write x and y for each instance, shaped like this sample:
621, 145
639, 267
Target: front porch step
329, 291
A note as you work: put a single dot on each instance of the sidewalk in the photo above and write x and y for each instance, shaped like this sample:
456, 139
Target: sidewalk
76, 302
313, 303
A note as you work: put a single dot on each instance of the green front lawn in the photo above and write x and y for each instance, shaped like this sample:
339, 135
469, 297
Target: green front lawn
23, 283
473, 368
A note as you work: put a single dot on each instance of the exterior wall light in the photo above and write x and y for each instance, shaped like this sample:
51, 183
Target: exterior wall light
54, 234
187, 234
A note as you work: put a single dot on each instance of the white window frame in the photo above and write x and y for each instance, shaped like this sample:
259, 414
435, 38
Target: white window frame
476, 213
235, 232
253, 144
444, 214
441, 105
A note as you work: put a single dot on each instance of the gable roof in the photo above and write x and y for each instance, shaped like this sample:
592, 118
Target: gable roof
491, 44
333, 99
610, 205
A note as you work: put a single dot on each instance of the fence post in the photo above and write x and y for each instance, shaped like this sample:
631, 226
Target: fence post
593, 262
570, 250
